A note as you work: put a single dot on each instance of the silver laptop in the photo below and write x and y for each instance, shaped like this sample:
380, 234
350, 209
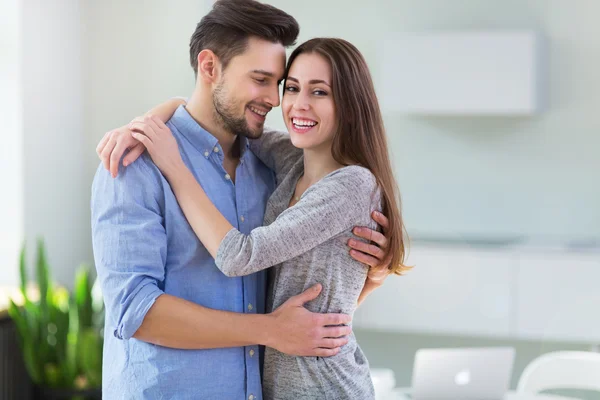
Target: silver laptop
462, 373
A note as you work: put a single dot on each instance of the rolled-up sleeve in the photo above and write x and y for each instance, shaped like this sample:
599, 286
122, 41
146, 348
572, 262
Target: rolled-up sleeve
130, 243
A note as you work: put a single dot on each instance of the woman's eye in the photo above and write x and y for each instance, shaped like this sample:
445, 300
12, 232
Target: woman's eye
320, 93
291, 89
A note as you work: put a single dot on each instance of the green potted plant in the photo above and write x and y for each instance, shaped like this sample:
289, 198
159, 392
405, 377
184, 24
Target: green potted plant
60, 333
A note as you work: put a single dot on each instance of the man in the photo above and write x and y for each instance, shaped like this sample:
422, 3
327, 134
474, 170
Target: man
176, 327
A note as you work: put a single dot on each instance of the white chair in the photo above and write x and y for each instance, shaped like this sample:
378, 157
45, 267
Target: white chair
561, 370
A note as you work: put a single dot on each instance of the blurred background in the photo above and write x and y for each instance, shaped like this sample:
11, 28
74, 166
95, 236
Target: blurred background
492, 114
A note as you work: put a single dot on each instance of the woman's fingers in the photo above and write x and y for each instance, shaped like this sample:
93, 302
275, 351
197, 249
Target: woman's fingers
145, 140
159, 122
151, 122
107, 151
103, 142
143, 127
134, 154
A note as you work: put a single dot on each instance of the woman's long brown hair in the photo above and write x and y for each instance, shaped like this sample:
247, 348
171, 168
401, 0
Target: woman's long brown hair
360, 138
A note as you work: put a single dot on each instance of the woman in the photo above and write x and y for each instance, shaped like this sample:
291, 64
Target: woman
332, 170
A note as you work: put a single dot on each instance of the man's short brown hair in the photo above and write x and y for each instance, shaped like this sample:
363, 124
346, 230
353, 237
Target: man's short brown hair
226, 28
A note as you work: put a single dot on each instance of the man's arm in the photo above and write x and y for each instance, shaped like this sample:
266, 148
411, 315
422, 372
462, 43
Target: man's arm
291, 329
130, 250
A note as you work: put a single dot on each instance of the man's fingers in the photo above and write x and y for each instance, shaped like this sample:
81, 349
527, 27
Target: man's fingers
103, 142
381, 220
333, 320
333, 343
378, 274
335, 332
370, 249
107, 151
309, 294
134, 154
326, 352
371, 235
365, 259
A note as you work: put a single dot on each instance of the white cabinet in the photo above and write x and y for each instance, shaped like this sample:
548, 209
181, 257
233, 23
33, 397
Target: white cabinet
558, 297
461, 73
450, 291
507, 293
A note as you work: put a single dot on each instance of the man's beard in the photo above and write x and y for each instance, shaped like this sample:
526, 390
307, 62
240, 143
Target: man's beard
225, 114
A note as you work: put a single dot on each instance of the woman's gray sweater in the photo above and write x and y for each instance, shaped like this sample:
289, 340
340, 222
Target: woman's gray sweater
307, 244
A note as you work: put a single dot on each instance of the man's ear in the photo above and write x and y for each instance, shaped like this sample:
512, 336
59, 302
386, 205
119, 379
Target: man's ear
209, 66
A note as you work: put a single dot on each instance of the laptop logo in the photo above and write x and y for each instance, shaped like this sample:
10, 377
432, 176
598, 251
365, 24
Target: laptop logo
463, 377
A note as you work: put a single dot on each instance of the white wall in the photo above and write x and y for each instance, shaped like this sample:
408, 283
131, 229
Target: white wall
48, 189
460, 177
465, 177
136, 56
11, 150
85, 67
91, 66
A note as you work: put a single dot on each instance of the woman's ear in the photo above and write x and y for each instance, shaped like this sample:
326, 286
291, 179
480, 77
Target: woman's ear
209, 66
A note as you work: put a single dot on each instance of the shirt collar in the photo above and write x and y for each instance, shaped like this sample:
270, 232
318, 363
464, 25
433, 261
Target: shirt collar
199, 137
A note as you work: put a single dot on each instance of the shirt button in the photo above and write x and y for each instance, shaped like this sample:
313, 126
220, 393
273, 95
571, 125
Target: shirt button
251, 397
227, 177
206, 153
216, 149
250, 307
242, 218
251, 353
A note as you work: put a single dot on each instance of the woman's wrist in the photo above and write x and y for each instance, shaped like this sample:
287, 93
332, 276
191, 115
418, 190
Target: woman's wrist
176, 172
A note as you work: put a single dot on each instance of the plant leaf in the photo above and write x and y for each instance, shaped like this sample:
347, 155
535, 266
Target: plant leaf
83, 296
90, 356
23, 270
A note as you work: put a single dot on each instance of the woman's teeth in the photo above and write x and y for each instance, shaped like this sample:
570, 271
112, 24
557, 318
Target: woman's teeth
303, 123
